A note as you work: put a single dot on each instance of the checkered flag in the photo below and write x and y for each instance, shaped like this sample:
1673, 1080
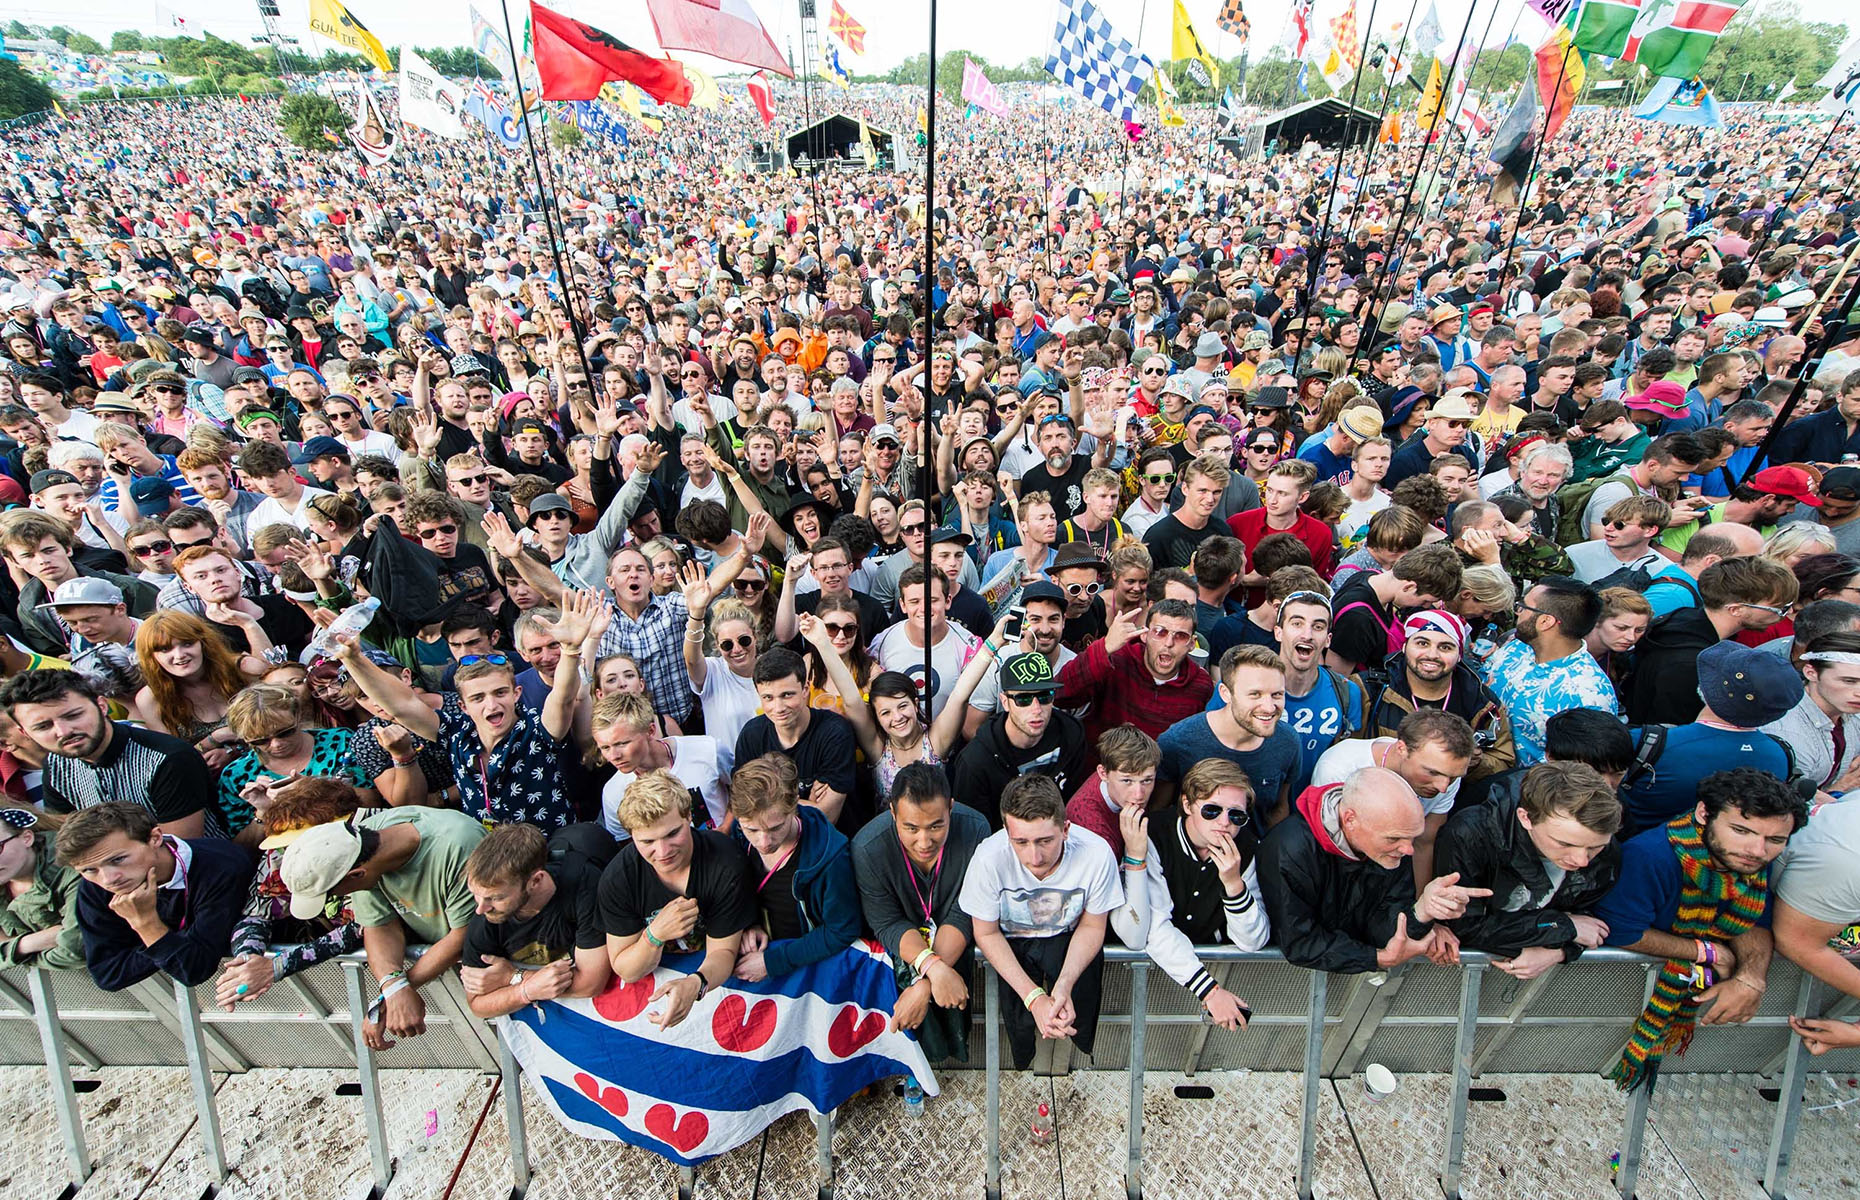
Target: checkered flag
1091, 58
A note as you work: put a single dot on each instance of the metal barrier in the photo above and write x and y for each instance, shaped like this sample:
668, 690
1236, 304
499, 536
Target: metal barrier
1395, 1018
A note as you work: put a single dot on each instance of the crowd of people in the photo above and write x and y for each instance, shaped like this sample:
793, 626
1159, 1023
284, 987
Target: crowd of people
1202, 564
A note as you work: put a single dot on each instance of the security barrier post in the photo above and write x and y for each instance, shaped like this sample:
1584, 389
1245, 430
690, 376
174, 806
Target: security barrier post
823, 1143
58, 1072
1464, 1038
368, 1077
1789, 1107
1314, 1079
1139, 1017
513, 1120
991, 1042
1639, 1101
201, 1076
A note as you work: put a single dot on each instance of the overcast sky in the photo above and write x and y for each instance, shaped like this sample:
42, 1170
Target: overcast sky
1002, 30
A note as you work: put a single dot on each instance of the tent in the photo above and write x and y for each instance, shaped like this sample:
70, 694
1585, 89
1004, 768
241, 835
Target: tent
1329, 122
835, 137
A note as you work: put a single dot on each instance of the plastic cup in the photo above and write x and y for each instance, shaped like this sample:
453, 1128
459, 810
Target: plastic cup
1378, 1082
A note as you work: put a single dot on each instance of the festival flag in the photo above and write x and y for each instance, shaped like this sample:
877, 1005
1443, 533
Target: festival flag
483, 106
370, 131
1426, 34
704, 93
1554, 12
1842, 82
1433, 98
842, 26
1788, 90
1336, 69
1681, 102
1345, 38
866, 149
830, 68
763, 97
1297, 32
1233, 19
726, 29
573, 60
1185, 43
1514, 144
1603, 26
1560, 75
1674, 37
747, 1054
593, 119
1097, 62
977, 90
1391, 128
1304, 79
329, 19
1227, 116
428, 99
1166, 111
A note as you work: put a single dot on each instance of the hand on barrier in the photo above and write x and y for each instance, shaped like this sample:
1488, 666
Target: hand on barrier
1400, 946
1445, 948
947, 986
752, 968
1443, 899
1531, 961
913, 1003
1733, 1001
1226, 1009
403, 1015
1821, 1036
246, 977
1590, 931
1053, 1020
478, 980
679, 995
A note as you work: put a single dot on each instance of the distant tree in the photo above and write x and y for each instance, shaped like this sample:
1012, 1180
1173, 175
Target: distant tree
460, 61
563, 134
1764, 49
18, 29
306, 117
83, 43
127, 40
21, 93
59, 34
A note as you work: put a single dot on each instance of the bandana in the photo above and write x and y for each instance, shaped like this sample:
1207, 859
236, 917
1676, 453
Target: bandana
1438, 621
18, 818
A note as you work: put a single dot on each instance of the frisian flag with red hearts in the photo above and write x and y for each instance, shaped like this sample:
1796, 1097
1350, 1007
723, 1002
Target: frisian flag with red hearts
746, 1055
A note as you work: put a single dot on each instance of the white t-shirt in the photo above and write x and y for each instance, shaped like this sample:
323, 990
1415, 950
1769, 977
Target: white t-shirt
374, 442
729, 701
1593, 560
692, 492
997, 888
80, 426
1491, 485
270, 512
1818, 873
894, 651
694, 764
1348, 757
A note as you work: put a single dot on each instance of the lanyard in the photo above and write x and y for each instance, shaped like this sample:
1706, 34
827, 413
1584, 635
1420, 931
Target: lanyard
180, 868
910, 874
792, 850
484, 785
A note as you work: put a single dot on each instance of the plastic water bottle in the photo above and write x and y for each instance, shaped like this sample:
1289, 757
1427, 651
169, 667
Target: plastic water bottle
352, 619
1042, 1130
913, 1097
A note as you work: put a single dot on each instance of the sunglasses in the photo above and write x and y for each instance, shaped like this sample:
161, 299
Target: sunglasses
1159, 371
471, 480
913, 527
837, 630
259, 743
152, 548
732, 645
751, 585
1029, 699
1212, 812
427, 535
1459, 424
1169, 477
1083, 589
1780, 610
1170, 637
496, 660
884, 358
168, 389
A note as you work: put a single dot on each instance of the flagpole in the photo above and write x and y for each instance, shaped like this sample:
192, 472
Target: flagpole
1464, 162
1336, 173
807, 114
1388, 93
1830, 331
1769, 222
1214, 122
1123, 175
1537, 157
529, 137
1393, 246
928, 284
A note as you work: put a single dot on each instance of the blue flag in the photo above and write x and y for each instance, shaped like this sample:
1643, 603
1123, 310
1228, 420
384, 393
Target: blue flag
1681, 102
593, 119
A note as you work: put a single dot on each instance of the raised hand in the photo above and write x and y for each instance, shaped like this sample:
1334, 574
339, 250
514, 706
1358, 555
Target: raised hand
571, 628
606, 417
426, 432
497, 531
695, 586
756, 531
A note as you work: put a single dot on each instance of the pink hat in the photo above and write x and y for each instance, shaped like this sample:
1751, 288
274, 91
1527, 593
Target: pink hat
1436, 620
1667, 399
509, 403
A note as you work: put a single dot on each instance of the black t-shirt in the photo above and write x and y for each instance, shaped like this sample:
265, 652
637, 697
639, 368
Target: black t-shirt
631, 892
969, 610
1360, 636
284, 623
781, 912
1172, 544
466, 574
1085, 628
1067, 489
825, 751
571, 921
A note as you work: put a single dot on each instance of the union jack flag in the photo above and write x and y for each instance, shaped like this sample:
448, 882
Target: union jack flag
842, 26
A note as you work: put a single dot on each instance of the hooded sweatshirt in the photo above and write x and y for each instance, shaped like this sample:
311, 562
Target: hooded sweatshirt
1663, 686
824, 894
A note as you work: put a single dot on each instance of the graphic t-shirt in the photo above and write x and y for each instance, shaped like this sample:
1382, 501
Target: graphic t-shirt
570, 921
998, 888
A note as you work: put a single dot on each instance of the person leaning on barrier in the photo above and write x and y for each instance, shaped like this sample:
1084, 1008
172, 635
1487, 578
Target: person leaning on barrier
808, 902
1338, 887
672, 887
150, 901
1577, 735
403, 871
1696, 892
536, 932
1199, 883
910, 862
1816, 904
1547, 855
38, 908
1040, 893
286, 808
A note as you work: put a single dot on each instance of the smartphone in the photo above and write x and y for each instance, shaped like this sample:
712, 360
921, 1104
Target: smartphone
1015, 618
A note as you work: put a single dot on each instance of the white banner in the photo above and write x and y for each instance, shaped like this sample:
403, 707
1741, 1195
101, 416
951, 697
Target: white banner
428, 99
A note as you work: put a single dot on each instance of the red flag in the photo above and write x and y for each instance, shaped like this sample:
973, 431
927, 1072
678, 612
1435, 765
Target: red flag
573, 60
726, 29
763, 97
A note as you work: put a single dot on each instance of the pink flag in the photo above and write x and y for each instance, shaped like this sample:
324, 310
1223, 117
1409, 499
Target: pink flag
978, 91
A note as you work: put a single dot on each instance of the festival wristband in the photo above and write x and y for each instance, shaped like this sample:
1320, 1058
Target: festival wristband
406, 762
1031, 996
394, 986
1135, 864
917, 964
653, 939
1699, 951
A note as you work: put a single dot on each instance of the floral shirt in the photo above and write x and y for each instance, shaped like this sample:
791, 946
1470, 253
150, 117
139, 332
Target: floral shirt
522, 776
329, 755
1533, 692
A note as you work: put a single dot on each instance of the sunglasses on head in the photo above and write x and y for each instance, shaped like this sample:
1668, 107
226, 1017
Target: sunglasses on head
496, 660
1212, 812
1029, 699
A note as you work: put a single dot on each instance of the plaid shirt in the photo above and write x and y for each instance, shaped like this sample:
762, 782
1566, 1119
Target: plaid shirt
1121, 691
655, 641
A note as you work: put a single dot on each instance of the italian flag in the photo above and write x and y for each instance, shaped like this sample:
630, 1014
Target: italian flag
1603, 26
1674, 37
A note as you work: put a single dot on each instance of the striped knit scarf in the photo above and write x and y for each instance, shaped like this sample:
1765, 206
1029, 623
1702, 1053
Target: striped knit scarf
1712, 905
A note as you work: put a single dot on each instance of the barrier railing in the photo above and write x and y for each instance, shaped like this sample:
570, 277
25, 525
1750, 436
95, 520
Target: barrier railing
1393, 1017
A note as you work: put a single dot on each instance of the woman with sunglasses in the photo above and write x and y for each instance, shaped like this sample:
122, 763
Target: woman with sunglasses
839, 615
890, 726
273, 726
723, 682
189, 677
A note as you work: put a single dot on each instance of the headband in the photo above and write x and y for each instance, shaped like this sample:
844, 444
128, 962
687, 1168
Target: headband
1306, 594
1439, 621
1844, 657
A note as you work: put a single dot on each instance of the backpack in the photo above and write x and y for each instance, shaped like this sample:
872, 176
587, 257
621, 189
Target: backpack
1638, 579
1392, 632
1653, 743
1574, 499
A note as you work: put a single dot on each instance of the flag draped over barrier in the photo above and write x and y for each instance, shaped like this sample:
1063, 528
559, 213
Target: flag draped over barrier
745, 1055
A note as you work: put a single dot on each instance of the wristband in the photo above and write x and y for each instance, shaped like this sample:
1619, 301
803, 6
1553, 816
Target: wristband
653, 939
406, 762
393, 986
1031, 996
1700, 951
917, 964
1133, 862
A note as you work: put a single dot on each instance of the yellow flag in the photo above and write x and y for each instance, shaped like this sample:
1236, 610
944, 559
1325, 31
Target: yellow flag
1185, 43
625, 95
329, 19
704, 93
1427, 114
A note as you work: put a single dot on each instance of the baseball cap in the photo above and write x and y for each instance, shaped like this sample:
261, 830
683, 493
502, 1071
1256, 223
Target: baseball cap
151, 494
316, 862
318, 447
1661, 396
1842, 483
1021, 674
51, 477
1042, 589
1792, 482
85, 590
948, 533
886, 433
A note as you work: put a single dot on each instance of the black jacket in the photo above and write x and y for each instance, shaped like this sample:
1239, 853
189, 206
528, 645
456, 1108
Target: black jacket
1468, 697
1663, 686
1330, 913
1490, 849
988, 762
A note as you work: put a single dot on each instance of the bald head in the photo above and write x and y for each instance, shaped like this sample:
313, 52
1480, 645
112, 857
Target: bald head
1381, 816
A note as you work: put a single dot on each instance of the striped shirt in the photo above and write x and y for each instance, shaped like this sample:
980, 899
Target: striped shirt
140, 766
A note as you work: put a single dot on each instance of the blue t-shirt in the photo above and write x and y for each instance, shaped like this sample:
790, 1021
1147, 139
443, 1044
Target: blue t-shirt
1691, 753
1271, 766
1647, 897
1331, 467
1317, 720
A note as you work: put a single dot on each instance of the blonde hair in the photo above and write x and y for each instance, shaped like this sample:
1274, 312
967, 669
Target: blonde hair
1489, 585
651, 798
